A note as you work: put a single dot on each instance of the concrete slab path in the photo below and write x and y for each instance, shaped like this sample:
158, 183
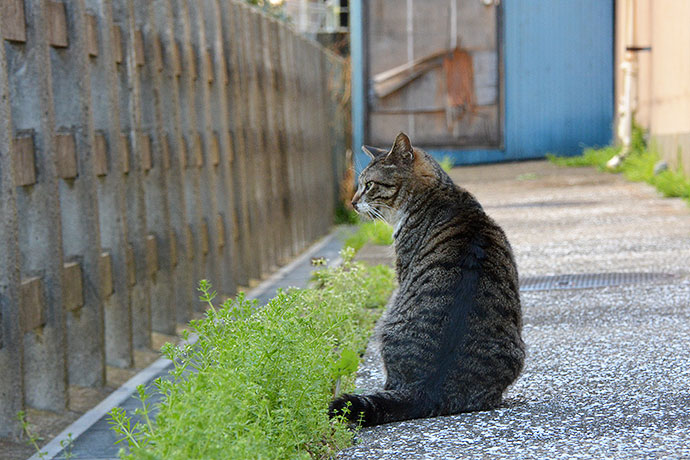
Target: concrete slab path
608, 369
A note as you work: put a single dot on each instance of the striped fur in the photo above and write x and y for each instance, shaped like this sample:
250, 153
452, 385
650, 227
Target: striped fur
451, 339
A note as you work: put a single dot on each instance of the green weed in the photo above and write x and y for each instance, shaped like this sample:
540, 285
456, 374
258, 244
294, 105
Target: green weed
345, 216
590, 157
376, 232
257, 383
446, 163
638, 166
32, 439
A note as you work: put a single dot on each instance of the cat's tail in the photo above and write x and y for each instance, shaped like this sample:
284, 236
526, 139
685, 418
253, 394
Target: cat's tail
377, 408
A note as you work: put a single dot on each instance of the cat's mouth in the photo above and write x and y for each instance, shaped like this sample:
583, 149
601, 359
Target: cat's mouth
366, 209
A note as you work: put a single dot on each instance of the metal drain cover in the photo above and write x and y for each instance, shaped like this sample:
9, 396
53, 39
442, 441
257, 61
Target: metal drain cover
589, 280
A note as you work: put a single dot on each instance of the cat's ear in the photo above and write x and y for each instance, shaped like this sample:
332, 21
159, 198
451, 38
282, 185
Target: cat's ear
402, 149
373, 152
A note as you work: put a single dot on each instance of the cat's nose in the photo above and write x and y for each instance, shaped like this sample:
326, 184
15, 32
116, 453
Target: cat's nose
354, 203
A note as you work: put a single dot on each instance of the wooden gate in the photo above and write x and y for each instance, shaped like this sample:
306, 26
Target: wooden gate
433, 69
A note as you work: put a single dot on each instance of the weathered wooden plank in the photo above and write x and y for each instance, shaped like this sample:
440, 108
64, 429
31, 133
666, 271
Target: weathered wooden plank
56, 19
66, 156
73, 286
13, 23
92, 34
11, 343
100, 152
24, 161
32, 304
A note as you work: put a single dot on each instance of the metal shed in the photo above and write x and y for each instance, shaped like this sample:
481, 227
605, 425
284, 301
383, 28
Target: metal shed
483, 80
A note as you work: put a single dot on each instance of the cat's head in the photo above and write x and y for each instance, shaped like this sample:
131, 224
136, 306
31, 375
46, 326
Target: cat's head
393, 177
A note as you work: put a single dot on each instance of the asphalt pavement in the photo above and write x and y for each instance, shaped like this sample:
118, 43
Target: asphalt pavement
608, 368
607, 373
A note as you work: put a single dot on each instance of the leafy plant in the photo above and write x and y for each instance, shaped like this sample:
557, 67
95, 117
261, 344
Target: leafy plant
32, 438
345, 216
446, 163
638, 166
376, 232
258, 381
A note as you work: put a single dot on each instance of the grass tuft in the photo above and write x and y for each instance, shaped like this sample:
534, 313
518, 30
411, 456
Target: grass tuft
376, 232
638, 166
446, 163
263, 377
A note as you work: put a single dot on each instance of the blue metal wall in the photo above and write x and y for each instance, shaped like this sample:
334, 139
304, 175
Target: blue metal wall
558, 74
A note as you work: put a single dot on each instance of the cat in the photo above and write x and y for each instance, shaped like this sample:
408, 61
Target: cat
451, 338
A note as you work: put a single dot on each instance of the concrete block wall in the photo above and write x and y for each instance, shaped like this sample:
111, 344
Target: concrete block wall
145, 146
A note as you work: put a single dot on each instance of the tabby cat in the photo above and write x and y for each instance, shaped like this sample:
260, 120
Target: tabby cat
451, 339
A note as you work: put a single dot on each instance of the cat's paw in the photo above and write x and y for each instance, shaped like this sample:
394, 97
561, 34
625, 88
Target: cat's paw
347, 405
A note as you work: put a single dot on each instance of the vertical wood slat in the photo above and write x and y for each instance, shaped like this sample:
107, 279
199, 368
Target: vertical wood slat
215, 264
71, 82
189, 120
135, 204
272, 70
287, 88
169, 68
152, 140
241, 222
39, 237
267, 127
111, 165
221, 147
254, 151
11, 346
246, 145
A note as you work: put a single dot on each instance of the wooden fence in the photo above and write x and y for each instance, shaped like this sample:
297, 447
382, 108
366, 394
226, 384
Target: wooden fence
145, 145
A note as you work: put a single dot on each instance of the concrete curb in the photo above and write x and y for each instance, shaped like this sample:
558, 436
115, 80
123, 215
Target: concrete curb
117, 397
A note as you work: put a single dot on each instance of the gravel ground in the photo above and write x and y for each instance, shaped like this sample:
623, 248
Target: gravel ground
607, 372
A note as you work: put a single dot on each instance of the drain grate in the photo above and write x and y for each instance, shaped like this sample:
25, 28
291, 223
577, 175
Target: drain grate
589, 280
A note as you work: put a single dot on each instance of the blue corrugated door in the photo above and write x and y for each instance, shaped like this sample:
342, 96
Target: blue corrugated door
559, 75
